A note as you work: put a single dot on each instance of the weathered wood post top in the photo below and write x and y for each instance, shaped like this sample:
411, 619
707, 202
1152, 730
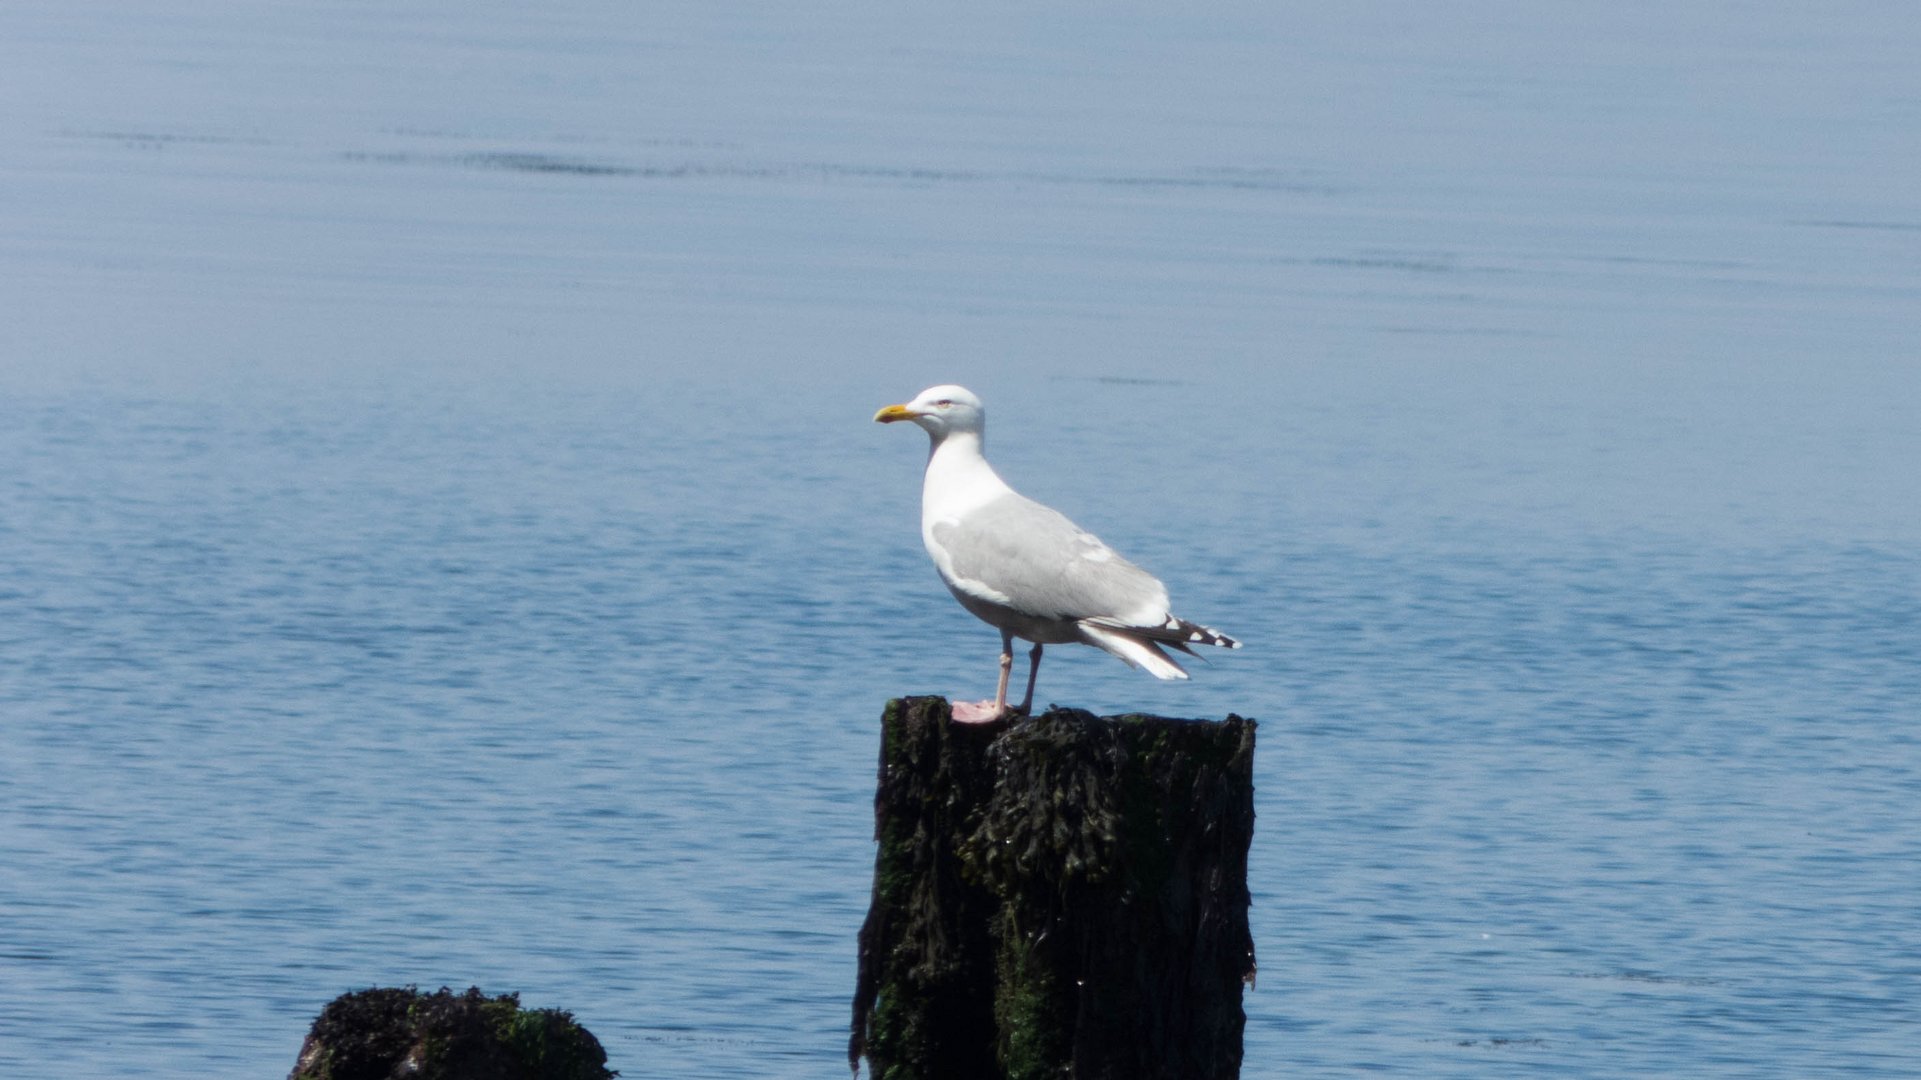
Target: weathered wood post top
1057, 896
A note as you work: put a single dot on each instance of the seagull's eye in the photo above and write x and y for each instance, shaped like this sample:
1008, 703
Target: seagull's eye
943, 404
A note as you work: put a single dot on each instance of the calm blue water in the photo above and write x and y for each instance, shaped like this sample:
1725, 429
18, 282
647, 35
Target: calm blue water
442, 539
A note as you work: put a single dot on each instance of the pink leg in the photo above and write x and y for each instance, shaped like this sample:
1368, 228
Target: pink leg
981, 712
1033, 669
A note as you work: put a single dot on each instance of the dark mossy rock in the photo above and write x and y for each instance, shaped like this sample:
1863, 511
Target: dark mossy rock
386, 1034
1061, 896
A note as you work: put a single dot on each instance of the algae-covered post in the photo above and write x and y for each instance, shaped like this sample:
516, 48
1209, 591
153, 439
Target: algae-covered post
1058, 896
400, 1031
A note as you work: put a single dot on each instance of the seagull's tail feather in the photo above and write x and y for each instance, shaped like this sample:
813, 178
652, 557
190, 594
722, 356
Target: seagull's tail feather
1133, 646
1178, 633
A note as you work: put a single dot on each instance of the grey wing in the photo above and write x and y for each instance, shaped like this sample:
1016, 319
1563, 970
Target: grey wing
1033, 559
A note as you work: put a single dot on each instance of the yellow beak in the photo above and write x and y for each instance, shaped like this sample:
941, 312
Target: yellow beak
894, 412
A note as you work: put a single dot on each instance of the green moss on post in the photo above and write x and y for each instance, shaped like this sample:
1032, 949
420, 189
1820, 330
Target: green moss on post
390, 1033
1060, 896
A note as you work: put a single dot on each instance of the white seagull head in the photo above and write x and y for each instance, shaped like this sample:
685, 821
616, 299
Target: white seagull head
940, 411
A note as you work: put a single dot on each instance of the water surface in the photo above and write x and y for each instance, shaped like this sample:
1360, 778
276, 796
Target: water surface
442, 540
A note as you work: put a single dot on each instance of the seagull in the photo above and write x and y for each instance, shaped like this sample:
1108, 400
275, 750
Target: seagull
1024, 568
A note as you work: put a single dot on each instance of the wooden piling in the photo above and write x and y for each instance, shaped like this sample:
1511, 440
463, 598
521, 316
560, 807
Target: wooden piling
385, 1033
1057, 896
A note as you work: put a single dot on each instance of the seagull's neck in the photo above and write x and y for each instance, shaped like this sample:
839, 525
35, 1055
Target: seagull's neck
959, 478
